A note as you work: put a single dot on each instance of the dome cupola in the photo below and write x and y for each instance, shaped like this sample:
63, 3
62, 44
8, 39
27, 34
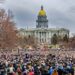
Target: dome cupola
42, 12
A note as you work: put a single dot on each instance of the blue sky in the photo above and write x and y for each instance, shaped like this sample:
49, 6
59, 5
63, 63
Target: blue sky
60, 13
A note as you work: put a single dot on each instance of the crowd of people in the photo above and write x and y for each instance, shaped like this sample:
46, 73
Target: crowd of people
35, 64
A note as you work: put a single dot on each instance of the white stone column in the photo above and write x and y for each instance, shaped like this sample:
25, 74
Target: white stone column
41, 36
38, 34
49, 36
46, 37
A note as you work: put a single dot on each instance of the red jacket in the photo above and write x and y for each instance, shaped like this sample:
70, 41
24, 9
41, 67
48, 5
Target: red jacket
31, 73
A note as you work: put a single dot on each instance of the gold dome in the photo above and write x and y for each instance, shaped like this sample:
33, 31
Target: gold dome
42, 12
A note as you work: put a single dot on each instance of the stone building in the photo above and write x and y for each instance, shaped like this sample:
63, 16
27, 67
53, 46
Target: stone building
42, 33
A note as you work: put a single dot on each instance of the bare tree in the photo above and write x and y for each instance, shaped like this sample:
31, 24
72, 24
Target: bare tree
7, 30
72, 42
27, 41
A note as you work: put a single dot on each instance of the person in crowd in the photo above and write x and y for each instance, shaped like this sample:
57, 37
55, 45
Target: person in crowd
10, 70
33, 64
19, 70
51, 70
55, 72
31, 72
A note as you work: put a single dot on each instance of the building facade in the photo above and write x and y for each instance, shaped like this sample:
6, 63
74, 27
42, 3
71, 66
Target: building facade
42, 33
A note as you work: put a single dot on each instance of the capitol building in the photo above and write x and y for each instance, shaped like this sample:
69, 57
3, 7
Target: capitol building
42, 32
